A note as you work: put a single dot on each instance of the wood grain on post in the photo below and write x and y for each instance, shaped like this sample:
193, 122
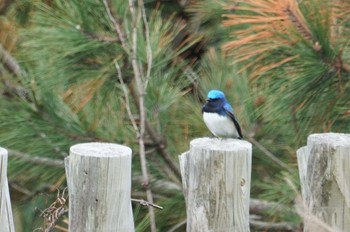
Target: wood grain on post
6, 217
324, 169
99, 185
216, 177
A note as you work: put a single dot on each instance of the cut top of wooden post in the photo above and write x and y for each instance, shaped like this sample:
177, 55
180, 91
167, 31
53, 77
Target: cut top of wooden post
100, 150
218, 144
334, 139
3, 151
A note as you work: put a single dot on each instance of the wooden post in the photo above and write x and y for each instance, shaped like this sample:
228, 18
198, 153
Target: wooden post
324, 169
6, 217
216, 182
99, 186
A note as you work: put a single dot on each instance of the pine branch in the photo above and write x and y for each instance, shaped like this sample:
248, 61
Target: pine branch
9, 62
29, 194
36, 159
296, 18
99, 37
161, 148
268, 26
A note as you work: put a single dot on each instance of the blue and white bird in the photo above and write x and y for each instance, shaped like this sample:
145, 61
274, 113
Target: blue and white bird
219, 117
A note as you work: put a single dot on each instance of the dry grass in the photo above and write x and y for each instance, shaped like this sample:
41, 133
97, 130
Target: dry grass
54, 212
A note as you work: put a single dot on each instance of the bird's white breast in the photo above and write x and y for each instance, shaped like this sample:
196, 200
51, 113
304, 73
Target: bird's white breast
219, 125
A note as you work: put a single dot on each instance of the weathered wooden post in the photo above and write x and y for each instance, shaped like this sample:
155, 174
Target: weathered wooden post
216, 181
324, 169
6, 217
99, 186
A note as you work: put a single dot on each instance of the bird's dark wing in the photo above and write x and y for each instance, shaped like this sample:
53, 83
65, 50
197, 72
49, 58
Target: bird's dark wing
230, 113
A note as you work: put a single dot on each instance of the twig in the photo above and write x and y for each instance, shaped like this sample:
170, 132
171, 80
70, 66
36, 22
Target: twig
27, 193
160, 145
19, 91
146, 203
21, 189
148, 43
269, 154
162, 187
142, 111
140, 95
161, 148
117, 26
57, 227
257, 206
127, 102
13, 67
271, 226
177, 226
9, 62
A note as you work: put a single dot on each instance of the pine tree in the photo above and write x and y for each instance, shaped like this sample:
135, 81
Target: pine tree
110, 72
97, 71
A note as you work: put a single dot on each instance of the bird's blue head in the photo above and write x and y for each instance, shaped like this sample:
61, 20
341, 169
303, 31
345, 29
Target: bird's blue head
215, 94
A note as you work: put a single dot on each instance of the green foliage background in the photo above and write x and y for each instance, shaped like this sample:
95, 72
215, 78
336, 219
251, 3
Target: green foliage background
69, 92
